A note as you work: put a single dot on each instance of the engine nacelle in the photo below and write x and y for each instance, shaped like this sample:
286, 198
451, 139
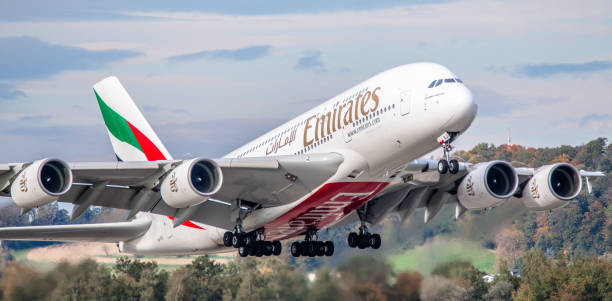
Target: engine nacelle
41, 183
552, 186
488, 185
191, 183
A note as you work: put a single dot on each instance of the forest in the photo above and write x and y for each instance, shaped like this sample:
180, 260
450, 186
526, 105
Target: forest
563, 254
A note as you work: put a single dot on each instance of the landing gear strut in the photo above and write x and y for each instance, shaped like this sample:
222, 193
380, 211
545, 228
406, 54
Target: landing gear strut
447, 165
311, 246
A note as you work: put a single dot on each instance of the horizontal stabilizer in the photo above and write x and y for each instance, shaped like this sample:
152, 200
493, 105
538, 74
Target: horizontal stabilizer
104, 232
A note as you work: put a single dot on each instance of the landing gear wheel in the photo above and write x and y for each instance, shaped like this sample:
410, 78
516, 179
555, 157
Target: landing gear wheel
237, 240
442, 166
243, 252
453, 166
296, 249
227, 238
376, 241
353, 239
267, 246
309, 249
320, 248
277, 248
329, 248
364, 241
250, 250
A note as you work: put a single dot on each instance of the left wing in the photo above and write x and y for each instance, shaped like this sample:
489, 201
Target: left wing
105, 232
475, 186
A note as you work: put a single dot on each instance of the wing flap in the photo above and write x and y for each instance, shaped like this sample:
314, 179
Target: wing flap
106, 232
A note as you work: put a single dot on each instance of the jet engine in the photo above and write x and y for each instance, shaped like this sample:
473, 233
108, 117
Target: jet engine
488, 185
191, 183
552, 186
41, 183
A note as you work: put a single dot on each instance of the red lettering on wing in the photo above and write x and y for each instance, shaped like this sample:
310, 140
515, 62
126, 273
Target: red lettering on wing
323, 208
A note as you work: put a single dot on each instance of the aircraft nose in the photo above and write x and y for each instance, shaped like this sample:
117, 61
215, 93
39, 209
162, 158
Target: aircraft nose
464, 108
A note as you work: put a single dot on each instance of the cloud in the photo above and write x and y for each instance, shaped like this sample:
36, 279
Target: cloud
35, 118
546, 70
310, 61
8, 92
596, 121
116, 9
30, 58
241, 54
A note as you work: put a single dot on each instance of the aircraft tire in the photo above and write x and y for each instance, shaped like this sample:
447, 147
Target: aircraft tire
329, 248
296, 249
353, 239
228, 238
442, 166
453, 166
277, 248
376, 241
243, 252
320, 247
237, 240
364, 241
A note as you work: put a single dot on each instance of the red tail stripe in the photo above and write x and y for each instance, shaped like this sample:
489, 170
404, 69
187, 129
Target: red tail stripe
150, 150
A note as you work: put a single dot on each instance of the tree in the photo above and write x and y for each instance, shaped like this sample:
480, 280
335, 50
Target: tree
203, 279
138, 280
463, 274
438, 288
406, 287
324, 287
84, 281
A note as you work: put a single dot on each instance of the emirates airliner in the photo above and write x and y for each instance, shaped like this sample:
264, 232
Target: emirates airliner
354, 158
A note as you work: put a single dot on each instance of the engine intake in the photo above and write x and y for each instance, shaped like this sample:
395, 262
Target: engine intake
488, 185
552, 186
191, 183
41, 183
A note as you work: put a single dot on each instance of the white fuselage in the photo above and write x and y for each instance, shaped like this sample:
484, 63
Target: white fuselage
378, 126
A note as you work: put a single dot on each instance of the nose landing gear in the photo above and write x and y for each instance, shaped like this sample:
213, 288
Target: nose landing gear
447, 165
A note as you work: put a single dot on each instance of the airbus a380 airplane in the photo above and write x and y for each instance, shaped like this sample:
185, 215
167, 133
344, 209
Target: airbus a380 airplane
352, 158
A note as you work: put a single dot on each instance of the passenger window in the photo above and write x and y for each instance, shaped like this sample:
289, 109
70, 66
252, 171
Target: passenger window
438, 83
458, 80
432, 84
449, 80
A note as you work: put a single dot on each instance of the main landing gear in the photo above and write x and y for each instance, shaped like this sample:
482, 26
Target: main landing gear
364, 239
251, 244
447, 165
311, 247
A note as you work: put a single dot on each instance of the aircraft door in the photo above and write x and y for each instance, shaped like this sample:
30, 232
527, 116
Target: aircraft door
405, 101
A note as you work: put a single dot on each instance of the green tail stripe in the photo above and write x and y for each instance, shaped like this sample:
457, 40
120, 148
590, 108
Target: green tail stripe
116, 124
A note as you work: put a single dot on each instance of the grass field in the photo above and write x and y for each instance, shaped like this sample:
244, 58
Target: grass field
425, 258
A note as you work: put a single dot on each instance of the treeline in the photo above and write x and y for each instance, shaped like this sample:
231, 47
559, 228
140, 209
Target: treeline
582, 228
360, 278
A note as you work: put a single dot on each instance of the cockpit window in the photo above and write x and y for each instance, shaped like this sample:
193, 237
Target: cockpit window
438, 82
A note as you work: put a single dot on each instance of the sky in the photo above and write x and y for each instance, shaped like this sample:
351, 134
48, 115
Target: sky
209, 76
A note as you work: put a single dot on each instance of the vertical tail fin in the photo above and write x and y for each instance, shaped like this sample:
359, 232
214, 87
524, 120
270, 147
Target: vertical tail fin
132, 137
